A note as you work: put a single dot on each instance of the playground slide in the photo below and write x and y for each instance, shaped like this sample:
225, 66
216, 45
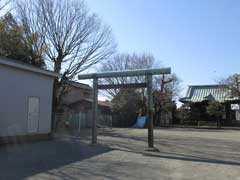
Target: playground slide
140, 122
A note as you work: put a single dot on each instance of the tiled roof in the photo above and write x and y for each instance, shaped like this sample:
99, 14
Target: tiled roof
105, 103
208, 92
80, 85
100, 103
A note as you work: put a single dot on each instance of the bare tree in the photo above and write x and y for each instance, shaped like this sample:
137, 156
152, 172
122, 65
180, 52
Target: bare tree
166, 87
123, 62
73, 38
166, 90
3, 4
232, 82
169, 85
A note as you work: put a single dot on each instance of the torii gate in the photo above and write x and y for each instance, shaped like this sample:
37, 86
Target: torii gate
148, 73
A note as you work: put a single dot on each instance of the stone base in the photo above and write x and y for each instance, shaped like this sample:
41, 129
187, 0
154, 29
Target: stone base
94, 144
24, 138
153, 149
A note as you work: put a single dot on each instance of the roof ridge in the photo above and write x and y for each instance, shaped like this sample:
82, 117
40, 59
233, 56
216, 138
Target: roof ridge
208, 85
197, 93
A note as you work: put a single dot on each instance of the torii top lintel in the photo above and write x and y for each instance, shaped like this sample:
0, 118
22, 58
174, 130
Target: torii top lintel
127, 73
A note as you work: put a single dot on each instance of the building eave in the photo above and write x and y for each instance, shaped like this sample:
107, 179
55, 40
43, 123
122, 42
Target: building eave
79, 85
26, 67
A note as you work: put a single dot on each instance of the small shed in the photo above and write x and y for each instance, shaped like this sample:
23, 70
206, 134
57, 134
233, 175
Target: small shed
25, 101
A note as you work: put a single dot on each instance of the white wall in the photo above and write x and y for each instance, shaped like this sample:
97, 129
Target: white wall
15, 87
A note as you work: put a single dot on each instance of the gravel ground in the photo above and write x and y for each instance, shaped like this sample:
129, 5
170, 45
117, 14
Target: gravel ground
184, 154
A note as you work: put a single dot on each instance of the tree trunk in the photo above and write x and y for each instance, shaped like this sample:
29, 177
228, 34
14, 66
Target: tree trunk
58, 63
54, 103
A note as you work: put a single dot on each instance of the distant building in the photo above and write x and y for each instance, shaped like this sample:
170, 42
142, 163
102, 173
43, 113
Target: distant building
77, 92
79, 99
78, 102
198, 97
25, 101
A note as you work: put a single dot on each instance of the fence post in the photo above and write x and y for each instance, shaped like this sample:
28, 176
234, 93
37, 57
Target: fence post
79, 121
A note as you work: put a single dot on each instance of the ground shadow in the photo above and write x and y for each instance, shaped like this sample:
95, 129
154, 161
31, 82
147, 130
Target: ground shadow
197, 148
24, 160
194, 159
178, 156
116, 134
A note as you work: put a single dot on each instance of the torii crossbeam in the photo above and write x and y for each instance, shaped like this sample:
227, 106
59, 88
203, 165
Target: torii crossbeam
148, 73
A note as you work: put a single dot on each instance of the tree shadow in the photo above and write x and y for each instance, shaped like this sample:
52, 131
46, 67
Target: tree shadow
177, 156
194, 159
192, 147
116, 134
23, 160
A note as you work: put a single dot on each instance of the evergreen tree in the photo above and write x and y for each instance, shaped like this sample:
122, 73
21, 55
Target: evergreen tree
17, 43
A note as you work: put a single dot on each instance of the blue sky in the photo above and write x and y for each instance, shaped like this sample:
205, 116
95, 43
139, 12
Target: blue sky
199, 39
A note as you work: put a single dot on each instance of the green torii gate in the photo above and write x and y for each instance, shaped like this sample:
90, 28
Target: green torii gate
148, 73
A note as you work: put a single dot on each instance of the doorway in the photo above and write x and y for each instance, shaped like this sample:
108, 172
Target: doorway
33, 114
